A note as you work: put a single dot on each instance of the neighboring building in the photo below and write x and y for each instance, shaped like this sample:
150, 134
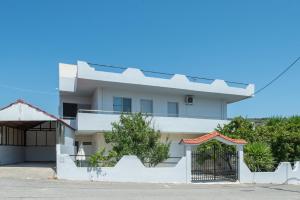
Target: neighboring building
29, 134
180, 106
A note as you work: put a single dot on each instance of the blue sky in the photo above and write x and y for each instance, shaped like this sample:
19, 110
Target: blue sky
244, 41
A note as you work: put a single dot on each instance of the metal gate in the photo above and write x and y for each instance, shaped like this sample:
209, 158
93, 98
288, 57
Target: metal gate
214, 164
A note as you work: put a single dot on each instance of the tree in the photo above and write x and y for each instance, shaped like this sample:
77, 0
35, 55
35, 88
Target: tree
133, 135
99, 159
280, 133
258, 157
239, 128
285, 142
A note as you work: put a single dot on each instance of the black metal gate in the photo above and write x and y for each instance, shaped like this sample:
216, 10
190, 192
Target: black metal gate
214, 164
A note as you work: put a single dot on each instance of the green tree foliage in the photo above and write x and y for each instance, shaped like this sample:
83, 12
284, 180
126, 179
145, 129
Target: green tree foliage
239, 128
285, 141
207, 148
133, 135
258, 157
282, 135
99, 159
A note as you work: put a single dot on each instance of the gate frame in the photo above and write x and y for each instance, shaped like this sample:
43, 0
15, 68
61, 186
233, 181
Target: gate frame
191, 143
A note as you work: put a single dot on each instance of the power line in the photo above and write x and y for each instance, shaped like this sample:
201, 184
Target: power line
27, 90
278, 76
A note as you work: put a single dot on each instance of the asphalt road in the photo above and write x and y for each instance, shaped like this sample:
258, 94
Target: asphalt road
14, 188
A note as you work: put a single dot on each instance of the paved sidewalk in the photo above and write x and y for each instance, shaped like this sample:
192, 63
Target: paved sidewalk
28, 170
59, 189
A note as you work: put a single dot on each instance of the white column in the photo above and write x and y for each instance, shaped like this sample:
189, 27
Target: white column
240, 152
188, 155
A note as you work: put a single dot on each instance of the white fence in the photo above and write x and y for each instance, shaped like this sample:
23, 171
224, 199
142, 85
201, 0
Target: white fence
284, 174
131, 169
128, 169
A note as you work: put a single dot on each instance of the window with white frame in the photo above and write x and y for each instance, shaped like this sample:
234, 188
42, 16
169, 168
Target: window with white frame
173, 109
146, 106
122, 104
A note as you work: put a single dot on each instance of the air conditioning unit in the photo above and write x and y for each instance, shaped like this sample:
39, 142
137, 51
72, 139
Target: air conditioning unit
189, 99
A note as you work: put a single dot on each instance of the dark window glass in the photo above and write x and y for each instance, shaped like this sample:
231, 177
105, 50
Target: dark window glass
146, 106
126, 105
121, 104
86, 143
117, 106
77, 146
172, 109
70, 109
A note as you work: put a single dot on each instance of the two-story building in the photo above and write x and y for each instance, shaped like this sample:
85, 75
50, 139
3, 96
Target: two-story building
93, 96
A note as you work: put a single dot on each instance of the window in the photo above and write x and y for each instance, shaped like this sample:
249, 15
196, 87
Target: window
173, 109
11, 136
70, 109
86, 143
122, 104
146, 106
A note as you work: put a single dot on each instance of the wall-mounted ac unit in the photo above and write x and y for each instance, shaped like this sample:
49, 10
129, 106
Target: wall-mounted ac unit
189, 99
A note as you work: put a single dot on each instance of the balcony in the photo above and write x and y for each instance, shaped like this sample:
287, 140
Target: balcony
90, 121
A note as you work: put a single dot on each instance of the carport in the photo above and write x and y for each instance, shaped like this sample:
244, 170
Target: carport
28, 134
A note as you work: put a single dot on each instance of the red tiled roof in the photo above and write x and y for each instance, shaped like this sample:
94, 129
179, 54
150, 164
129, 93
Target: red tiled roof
210, 136
38, 109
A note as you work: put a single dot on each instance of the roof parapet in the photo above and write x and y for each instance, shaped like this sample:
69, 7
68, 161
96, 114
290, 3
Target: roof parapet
175, 81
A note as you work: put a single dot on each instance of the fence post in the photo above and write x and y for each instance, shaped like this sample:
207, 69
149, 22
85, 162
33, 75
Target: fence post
188, 155
240, 153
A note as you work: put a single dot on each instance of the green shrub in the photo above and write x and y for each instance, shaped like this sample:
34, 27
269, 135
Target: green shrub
258, 157
98, 159
281, 133
133, 135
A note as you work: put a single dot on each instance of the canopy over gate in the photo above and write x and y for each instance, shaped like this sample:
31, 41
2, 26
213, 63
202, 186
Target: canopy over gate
213, 135
215, 163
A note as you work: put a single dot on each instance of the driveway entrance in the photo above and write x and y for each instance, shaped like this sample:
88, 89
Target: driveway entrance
28, 170
214, 163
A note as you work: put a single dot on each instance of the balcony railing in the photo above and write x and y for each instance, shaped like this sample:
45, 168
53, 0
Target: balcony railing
164, 75
183, 115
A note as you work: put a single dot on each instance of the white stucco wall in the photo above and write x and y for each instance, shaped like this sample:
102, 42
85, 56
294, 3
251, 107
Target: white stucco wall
202, 107
11, 154
17, 154
69, 141
69, 136
67, 74
91, 122
284, 174
128, 169
42, 153
23, 112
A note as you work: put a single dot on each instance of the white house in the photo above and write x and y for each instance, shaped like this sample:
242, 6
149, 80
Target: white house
92, 97
185, 109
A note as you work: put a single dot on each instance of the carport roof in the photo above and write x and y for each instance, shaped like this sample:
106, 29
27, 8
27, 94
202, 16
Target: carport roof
21, 113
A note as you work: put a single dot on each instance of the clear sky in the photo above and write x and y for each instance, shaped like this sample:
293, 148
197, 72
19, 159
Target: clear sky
244, 41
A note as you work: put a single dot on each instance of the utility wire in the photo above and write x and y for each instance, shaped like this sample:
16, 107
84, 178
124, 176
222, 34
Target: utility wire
277, 77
